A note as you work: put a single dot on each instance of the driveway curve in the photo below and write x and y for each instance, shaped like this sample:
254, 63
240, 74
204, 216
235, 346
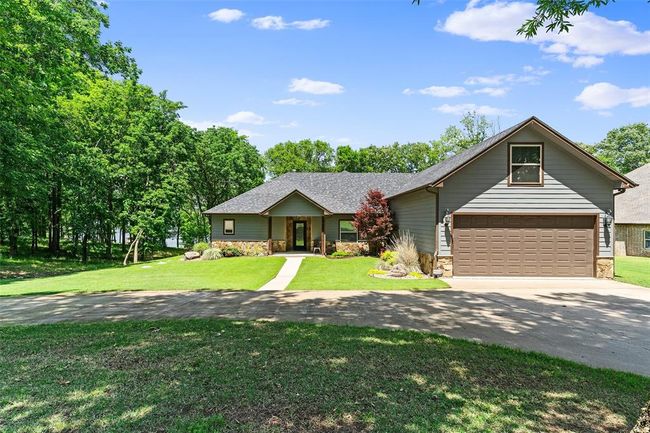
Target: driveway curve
603, 325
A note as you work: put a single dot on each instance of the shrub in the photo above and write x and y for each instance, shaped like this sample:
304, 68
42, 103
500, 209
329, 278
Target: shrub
417, 275
390, 257
377, 272
211, 254
199, 247
340, 254
407, 253
231, 252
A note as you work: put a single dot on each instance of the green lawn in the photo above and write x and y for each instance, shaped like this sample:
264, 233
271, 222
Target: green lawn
222, 376
244, 273
350, 274
633, 270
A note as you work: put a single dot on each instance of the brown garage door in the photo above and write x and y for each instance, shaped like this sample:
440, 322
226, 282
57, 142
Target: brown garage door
515, 245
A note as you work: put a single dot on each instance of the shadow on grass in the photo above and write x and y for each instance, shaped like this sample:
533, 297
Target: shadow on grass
215, 375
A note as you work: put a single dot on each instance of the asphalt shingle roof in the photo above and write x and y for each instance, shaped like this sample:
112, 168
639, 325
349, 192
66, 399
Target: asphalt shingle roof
343, 192
335, 192
633, 207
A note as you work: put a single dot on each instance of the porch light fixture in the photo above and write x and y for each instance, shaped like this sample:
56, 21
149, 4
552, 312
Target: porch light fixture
447, 218
607, 219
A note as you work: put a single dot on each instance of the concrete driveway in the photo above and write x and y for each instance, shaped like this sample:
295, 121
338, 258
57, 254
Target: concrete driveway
601, 323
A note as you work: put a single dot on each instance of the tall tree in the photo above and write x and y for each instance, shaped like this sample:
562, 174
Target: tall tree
373, 220
473, 129
46, 46
223, 165
625, 148
305, 155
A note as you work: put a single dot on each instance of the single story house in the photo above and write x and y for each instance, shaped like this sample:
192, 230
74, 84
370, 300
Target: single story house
524, 202
632, 215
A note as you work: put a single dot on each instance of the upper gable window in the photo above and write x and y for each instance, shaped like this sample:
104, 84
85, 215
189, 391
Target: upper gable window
525, 164
646, 239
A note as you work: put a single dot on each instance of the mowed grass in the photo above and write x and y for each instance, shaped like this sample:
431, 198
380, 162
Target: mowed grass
238, 273
224, 376
318, 273
633, 270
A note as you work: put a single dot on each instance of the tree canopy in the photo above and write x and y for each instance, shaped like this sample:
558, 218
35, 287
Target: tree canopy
625, 148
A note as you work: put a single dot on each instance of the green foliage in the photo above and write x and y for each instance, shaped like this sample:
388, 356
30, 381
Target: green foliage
390, 257
199, 247
554, 15
473, 129
377, 272
417, 275
341, 254
303, 156
232, 252
212, 254
194, 227
625, 148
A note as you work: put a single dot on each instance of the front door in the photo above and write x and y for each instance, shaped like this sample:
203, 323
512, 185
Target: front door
299, 235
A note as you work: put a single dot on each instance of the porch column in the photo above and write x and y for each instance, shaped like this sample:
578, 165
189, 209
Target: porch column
269, 242
323, 240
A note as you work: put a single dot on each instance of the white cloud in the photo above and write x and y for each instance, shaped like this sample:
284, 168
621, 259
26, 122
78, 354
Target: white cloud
226, 15
269, 23
247, 117
487, 110
315, 87
591, 35
492, 91
310, 24
587, 61
275, 22
603, 96
440, 91
531, 75
296, 101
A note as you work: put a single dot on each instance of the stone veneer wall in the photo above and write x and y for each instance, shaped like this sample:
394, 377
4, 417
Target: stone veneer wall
249, 248
279, 246
356, 248
446, 263
605, 267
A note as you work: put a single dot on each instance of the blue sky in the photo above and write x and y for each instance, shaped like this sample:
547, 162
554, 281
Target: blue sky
365, 72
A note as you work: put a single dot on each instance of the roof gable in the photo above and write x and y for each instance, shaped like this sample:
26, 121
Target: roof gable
441, 171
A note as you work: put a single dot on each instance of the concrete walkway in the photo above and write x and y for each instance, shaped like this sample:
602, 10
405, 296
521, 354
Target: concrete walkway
286, 274
602, 324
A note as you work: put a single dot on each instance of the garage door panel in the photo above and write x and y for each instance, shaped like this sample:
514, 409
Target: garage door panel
529, 245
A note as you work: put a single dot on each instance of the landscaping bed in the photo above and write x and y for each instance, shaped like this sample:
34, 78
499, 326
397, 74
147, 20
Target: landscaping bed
225, 376
352, 274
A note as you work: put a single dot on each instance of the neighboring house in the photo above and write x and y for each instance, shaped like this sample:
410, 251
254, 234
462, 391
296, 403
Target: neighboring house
525, 202
632, 213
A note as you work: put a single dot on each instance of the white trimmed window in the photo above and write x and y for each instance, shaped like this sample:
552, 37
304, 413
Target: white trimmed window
229, 227
347, 231
525, 164
646, 239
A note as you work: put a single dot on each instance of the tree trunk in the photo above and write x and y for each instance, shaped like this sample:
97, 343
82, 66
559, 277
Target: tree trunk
123, 230
135, 249
34, 237
13, 240
55, 219
84, 248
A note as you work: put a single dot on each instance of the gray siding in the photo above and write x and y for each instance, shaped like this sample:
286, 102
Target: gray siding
332, 225
295, 205
315, 228
279, 228
416, 212
247, 228
570, 186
